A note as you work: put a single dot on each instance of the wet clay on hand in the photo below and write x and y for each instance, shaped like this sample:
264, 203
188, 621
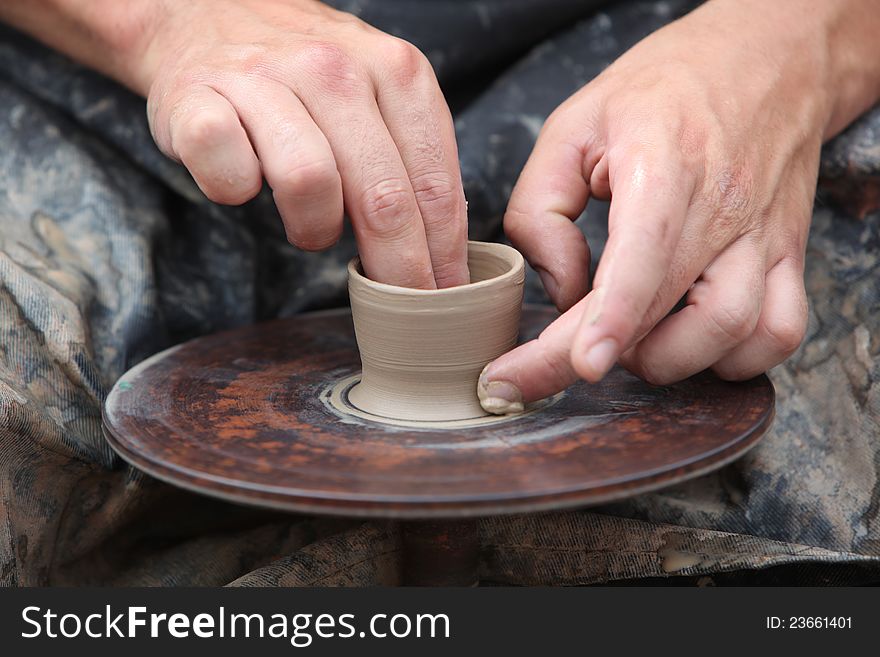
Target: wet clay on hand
422, 351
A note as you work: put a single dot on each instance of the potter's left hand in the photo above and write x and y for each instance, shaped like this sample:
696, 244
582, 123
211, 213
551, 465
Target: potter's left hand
706, 138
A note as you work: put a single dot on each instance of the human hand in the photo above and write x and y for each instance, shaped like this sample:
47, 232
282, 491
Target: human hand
706, 138
332, 112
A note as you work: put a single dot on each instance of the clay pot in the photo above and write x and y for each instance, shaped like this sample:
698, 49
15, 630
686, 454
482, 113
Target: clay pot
422, 350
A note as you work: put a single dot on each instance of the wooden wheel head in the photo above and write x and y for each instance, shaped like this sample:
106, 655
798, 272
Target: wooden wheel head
244, 415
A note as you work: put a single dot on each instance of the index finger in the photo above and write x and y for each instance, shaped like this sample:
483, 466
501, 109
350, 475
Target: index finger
376, 188
419, 121
650, 199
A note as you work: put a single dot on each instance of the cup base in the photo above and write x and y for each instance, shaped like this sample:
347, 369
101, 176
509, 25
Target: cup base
336, 397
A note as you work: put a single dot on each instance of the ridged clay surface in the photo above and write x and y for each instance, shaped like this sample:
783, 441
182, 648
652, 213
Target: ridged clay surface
422, 351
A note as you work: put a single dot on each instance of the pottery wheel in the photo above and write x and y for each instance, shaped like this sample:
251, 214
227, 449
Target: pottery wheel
244, 415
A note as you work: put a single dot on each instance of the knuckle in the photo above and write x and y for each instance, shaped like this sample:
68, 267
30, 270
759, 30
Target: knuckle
311, 239
405, 61
386, 209
734, 189
228, 186
330, 65
577, 111
733, 318
322, 56
559, 119
439, 193
792, 239
307, 179
199, 130
235, 193
732, 202
564, 113
254, 62
786, 331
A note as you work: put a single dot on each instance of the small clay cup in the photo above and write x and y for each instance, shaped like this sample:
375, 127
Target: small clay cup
423, 350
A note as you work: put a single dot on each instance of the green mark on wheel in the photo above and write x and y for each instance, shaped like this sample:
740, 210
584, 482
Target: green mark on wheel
124, 385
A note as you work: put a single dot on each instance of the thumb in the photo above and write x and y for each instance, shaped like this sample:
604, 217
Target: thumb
534, 370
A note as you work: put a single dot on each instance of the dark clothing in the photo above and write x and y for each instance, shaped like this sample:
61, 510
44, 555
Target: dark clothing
109, 253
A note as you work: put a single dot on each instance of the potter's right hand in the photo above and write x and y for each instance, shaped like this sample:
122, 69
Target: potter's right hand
709, 153
332, 112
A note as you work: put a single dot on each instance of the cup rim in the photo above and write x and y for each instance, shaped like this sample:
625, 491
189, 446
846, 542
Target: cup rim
516, 261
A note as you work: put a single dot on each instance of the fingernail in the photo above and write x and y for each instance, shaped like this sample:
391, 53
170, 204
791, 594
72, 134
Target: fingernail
548, 282
498, 397
594, 306
601, 357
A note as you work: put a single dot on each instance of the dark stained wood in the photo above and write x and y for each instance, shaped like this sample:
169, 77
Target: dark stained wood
237, 415
440, 552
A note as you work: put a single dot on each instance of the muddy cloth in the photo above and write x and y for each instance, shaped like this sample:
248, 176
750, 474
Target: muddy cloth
109, 253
